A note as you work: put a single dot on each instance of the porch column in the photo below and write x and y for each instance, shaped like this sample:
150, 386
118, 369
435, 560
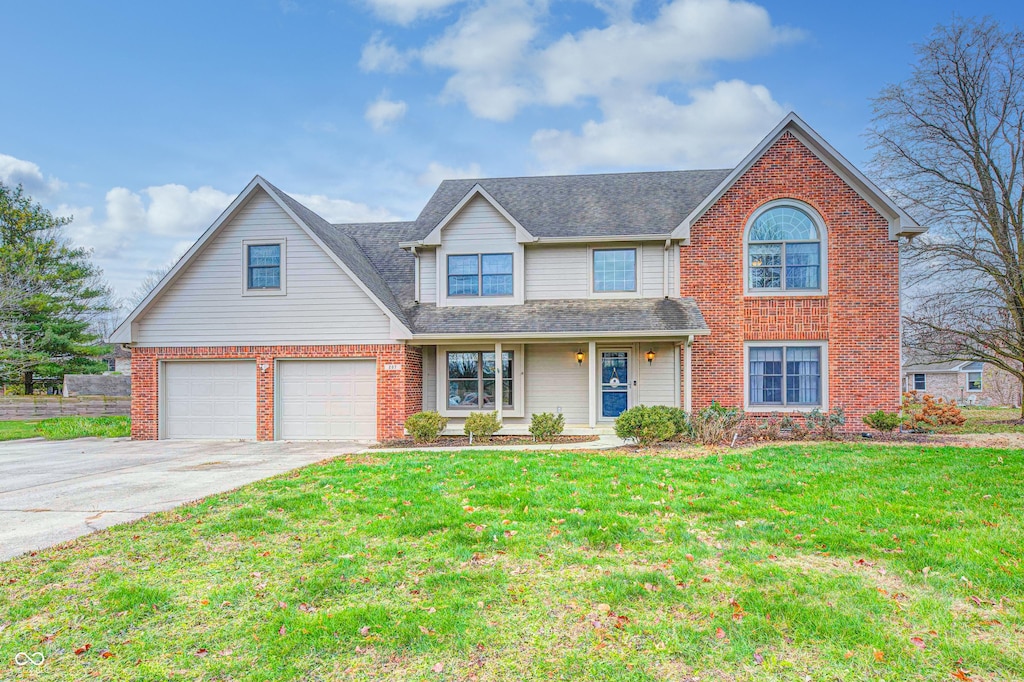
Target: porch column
592, 382
688, 374
499, 399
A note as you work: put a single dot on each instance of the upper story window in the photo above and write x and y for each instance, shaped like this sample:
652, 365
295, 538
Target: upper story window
614, 270
480, 274
784, 251
263, 265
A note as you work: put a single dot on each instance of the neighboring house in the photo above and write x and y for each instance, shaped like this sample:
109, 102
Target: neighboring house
110, 385
968, 383
772, 286
119, 360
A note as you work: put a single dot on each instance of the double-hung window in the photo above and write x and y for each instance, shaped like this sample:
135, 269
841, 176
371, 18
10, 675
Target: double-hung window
784, 251
263, 266
614, 270
471, 380
919, 382
480, 274
785, 376
974, 381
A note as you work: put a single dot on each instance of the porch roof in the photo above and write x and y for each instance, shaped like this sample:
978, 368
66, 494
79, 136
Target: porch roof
560, 318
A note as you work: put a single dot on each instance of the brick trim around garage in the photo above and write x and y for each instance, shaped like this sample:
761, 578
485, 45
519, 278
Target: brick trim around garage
399, 391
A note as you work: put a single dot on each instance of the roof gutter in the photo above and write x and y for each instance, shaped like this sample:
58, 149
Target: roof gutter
542, 336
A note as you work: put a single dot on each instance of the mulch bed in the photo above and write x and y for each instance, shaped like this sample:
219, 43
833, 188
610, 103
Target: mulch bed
459, 441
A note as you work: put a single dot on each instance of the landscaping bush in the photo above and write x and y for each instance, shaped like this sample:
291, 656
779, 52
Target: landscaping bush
425, 427
930, 412
882, 420
679, 419
482, 425
766, 429
545, 426
645, 425
714, 424
826, 425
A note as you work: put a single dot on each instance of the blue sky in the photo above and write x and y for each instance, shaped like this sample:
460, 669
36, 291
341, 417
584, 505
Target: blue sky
143, 119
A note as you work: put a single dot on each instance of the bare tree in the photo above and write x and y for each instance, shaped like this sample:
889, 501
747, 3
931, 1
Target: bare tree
950, 143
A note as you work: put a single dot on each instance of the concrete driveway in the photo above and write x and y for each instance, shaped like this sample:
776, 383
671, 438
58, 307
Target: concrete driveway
55, 491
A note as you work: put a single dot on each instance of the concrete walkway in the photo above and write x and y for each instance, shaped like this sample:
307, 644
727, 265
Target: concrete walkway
603, 442
53, 491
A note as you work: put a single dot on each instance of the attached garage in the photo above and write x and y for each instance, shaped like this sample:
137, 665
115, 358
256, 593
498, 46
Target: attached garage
326, 399
213, 399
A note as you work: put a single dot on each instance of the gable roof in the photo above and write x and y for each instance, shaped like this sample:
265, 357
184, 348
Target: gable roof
575, 206
917, 361
900, 223
339, 246
434, 238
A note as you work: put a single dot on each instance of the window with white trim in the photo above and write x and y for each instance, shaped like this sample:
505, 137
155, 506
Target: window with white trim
614, 270
784, 251
480, 274
919, 382
974, 377
471, 380
785, 376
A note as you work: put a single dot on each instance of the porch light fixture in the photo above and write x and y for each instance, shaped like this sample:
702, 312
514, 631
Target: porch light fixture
579, 357
650, 356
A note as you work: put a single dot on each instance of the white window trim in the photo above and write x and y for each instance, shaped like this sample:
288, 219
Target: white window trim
822, 233
913, 381
637, 249
518, 378
518, 275
767, 409
267, 241
967, 381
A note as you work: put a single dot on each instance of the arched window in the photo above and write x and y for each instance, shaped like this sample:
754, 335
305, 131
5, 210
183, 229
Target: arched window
784, 251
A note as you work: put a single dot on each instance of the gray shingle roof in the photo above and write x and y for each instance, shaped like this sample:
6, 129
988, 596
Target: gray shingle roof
921, 362
585, 205
567, 316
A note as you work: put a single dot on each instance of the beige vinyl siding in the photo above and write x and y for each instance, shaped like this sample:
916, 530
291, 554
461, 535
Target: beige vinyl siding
428, 276
479, 228
429, 378
554, 380
658, 381
652, 271
557, 272
205, 306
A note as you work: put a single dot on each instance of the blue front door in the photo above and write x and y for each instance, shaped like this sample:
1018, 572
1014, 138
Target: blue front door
614, 383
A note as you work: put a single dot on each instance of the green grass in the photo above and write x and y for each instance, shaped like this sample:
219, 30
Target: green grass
821, 562
12, 430
66, 428
988, 420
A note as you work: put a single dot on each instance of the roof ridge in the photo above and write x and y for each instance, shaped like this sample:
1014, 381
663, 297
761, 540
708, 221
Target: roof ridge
590, 175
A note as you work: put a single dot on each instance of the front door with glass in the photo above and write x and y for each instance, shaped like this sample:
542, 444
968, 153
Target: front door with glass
614, 383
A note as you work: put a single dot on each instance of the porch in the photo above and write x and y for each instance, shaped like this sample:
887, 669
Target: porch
590, 381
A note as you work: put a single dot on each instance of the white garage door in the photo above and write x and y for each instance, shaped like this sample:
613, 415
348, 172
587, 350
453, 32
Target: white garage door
327, 399
214, 399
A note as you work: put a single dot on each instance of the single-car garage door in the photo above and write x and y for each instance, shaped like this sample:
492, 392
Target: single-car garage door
326, 399
209, 399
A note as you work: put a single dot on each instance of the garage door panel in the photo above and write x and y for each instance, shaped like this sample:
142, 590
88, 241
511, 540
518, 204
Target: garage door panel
209, 399
327, 399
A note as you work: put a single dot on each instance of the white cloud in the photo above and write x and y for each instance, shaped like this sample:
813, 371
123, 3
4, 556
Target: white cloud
343, 210
437, 172
15, 171
382, 112
715, 129
407, 11
379, 55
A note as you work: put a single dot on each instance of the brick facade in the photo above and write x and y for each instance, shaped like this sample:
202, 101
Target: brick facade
399, 392
859, 317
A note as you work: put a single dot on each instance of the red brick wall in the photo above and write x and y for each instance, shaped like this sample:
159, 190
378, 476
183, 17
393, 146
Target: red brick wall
859, 317
399, 392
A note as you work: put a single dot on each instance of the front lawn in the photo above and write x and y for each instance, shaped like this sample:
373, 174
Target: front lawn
988, 420
820, 562
66, 428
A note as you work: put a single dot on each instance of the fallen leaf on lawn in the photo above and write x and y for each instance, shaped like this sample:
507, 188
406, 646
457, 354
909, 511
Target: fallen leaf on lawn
604, 608
281, 605
468, 508
47, 638
438, 667
107, 653
758, 658
961, 674
510, 533
425, 630
719, 633
650, 587
82, 650
282, 631
689, 557
740, 524
365, 630
879, 656
201, 652
918, 642
204, 602
848, 654
226, 652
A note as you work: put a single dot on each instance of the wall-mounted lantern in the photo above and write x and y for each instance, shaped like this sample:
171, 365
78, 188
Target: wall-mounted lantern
579, 357
650, 356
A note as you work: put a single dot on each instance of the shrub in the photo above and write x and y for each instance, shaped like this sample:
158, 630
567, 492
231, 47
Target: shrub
425, 427
483, 425
645, 425
930, 412
679, 419
882, 420
766, 429
545, 426
826, 424
715, 423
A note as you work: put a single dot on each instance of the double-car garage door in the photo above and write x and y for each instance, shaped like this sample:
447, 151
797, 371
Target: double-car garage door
314, 399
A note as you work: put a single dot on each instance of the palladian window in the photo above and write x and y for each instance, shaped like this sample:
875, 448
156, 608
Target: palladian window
784, 251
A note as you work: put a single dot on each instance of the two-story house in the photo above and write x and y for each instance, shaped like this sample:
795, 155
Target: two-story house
772, 286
